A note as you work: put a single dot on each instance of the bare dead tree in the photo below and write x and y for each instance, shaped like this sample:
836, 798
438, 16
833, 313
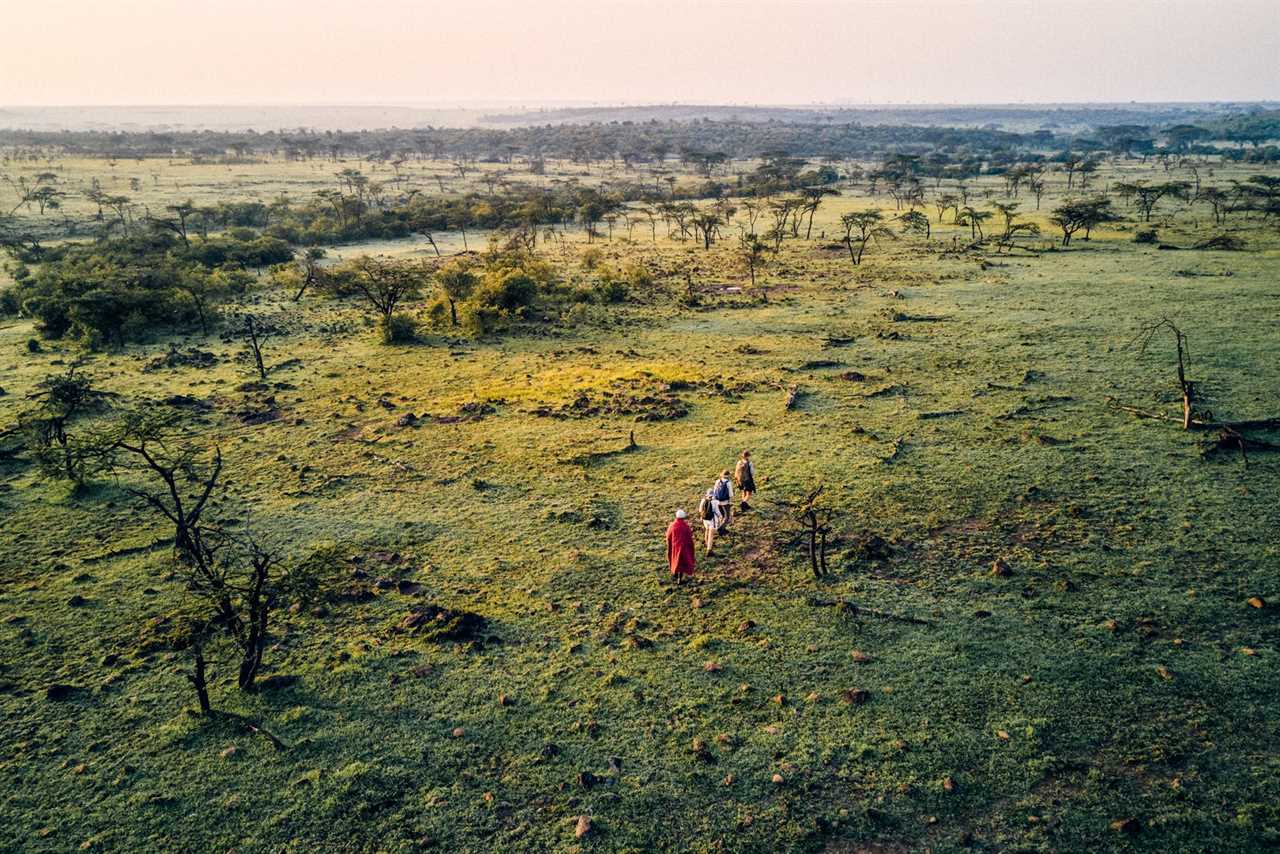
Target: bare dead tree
254, 341
1185, 386
1230, 434
815, 526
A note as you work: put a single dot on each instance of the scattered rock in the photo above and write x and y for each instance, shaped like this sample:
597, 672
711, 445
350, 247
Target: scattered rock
407, 420
58, 691
228, 752
77, 601
437, 623
583, 827
870, 547
1001, 569
186, 401
855, 696
175, 358
459, 732
277, 681
1257, 602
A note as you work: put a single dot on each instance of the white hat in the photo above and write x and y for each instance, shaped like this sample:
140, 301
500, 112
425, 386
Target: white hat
680, 514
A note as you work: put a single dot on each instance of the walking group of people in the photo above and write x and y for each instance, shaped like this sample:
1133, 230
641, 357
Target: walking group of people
715, 510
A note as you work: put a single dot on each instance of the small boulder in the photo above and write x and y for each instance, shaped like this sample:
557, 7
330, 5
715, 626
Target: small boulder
855, 696
58, 691
1126, 825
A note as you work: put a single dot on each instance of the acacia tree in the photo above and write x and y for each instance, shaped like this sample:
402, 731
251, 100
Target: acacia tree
182, 212
1145, 196
456, 280
973, 218
61, 402
861, 228
945, 202
386, 284
1219, 201
311, 270
706, 223
1074, 215
812, 197
1009, 213
915, 221
752, 250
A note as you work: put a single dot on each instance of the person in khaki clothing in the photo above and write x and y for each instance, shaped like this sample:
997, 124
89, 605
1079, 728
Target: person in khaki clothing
745, 475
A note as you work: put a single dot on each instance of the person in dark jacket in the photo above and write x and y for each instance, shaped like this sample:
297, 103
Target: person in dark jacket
745, 474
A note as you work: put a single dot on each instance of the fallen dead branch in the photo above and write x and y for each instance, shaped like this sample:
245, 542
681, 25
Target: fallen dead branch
249, 726
1230, 435
1198, 423
855, 610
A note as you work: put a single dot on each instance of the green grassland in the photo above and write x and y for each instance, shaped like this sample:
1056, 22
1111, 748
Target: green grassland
1117, 673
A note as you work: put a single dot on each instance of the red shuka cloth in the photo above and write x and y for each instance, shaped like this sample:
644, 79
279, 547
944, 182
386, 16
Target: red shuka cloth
680, 548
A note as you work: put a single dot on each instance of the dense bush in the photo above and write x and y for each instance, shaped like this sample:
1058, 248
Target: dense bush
9, 303
398, 329
117, 290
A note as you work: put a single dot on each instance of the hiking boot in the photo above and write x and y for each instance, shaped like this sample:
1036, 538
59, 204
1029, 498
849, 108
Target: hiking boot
745, 507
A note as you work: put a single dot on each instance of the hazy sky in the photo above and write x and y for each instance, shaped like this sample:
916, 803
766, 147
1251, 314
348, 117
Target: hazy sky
697, 51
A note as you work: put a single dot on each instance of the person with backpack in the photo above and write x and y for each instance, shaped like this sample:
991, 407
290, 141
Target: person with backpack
745, 474
722, 494
710, 520
680, 548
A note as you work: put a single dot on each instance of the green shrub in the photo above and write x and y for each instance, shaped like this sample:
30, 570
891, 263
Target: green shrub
438, 312
637, 275
508, 289
9, 301
478, 319
398, 329
591, 258
612, 290
1147, 236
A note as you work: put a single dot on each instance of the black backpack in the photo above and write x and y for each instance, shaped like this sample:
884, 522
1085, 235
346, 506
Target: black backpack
707, 511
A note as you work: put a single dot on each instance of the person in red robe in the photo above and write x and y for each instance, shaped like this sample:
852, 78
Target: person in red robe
680, 548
